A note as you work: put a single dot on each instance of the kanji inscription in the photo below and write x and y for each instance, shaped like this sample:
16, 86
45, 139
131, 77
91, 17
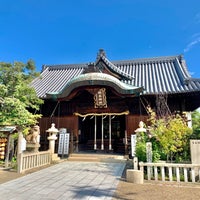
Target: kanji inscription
100, 99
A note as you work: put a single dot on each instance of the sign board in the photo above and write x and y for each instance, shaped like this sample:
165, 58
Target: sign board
149, 152
195, 151
133, 144
63, 144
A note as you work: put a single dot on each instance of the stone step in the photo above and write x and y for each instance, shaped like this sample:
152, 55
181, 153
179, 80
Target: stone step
84, 159
96, 157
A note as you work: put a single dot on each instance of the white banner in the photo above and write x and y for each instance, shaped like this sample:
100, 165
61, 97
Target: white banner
63, 145
133, 144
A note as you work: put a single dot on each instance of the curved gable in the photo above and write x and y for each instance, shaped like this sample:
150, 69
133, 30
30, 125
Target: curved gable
96, 79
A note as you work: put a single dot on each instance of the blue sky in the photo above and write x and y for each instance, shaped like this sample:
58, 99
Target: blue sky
72, 31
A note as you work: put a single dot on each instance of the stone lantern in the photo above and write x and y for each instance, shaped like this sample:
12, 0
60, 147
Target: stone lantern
52, 138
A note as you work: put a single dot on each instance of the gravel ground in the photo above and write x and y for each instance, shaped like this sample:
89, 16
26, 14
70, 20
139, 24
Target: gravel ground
157, 191
7, 175
10, 174
152, 190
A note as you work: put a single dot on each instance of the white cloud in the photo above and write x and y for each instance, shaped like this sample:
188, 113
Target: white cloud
195, 41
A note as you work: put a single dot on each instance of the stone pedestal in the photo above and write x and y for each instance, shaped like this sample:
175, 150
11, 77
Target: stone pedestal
32, 147
55, 157
134, 176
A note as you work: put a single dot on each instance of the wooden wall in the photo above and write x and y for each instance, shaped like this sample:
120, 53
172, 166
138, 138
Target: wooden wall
132, 122
68, 122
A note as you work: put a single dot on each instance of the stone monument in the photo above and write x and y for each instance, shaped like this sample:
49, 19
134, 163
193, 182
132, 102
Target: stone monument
195, 151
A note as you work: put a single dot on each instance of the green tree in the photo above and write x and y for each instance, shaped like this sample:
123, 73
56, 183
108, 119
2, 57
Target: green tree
195, 125
172, 133
140, 150
18, 101
142, 139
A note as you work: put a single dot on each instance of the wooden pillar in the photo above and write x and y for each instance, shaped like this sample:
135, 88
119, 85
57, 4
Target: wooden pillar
126, 143
110, 135
102, 134
95, 132
7, 150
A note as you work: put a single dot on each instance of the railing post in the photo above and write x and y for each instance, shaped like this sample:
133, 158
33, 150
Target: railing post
141, 164
193, 174
185, 174
32, 160
177, 174
199, 173
176, 168
156, 173
170, 174
163, 173
149, 173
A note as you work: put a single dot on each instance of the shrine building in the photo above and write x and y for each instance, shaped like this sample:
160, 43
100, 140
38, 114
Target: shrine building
101, 103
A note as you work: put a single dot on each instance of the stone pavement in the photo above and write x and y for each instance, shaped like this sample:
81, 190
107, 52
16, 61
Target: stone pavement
66, 180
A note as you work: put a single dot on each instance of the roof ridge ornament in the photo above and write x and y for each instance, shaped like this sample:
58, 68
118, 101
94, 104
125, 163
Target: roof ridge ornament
102, 56
114, 67
102, 52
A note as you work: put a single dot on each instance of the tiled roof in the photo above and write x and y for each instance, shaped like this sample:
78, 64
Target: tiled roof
157, 75
54, 78
160, 75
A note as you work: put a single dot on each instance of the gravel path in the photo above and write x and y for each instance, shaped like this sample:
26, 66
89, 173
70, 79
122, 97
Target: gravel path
8, 175
157, 191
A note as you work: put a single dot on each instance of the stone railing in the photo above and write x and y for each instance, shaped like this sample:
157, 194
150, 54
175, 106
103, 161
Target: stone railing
171, 171
29, 161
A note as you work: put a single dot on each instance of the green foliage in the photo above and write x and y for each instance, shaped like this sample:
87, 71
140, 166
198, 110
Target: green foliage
17, 98
196, 125
140, 150
142, 139
169, 137
14, 162
14, 112
172, 134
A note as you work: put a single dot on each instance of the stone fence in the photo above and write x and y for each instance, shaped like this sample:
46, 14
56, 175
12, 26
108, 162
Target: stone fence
27, 161
171, 171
